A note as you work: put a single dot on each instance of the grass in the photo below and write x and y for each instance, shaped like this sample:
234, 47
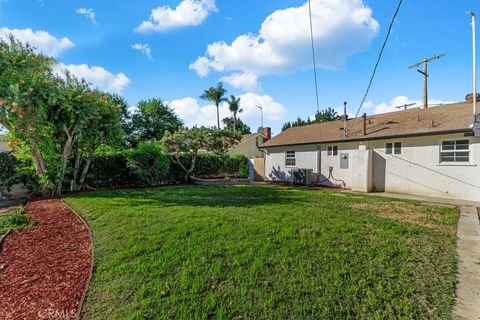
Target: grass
264, 252
16, 220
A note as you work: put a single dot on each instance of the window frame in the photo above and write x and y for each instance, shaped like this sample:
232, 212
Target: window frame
287, 158
393, 148
332, 150
454, 152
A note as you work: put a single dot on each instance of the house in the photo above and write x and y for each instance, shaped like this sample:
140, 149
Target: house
432, 152
248, 146
3, 143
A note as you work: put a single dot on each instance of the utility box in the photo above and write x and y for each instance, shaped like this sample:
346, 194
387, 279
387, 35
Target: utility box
302, 177
343, 160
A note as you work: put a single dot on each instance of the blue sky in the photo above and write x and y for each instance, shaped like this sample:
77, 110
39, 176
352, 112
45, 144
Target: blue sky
269, 64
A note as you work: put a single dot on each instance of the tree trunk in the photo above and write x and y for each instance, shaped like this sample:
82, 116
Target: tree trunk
187, 171
86, 168
76, 168
40, 166
235, 124
218, 117
67, 149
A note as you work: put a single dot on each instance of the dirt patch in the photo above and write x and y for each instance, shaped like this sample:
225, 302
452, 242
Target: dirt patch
44, 270
424, 216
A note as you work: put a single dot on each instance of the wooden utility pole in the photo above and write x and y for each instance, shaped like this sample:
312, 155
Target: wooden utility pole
425, 62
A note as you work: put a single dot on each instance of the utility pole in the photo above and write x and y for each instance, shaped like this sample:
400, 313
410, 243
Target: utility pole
425, 62
261, 114
474, 68
405, 106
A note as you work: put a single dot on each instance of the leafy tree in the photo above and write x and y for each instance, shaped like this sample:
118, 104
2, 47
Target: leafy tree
215, 95
149, 163
234, 107
241, 128
326, 115
29, 96
185, 144
152, 120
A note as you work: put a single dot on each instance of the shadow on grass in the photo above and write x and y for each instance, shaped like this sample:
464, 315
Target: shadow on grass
211, 196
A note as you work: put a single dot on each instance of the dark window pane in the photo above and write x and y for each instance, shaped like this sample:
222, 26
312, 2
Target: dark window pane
397, 148
388, 148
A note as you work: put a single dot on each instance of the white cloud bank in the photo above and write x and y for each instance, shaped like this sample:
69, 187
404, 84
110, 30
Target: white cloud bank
143, 48
398, 101
189, 110
282, 45
97, 76
41, 40
89, 13
187, 13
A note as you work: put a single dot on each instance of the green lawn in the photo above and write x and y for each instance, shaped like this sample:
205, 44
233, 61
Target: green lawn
266, 252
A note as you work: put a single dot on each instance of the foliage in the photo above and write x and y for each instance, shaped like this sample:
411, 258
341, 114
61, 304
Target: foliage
16, 220
151, 121
217, 96
264, 252
110, 171
325, 115
240, 127
188, 142
13, 171
234, 107
50, 117
149, 163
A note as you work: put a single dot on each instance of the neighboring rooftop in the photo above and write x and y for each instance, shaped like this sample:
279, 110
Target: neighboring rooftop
450, 118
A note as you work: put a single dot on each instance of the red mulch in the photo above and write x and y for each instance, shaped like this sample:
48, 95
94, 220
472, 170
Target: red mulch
46, 269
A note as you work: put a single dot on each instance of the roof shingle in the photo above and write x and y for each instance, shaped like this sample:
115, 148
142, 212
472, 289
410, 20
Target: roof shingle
456, 117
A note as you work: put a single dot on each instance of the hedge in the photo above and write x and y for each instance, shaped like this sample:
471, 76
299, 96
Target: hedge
13, 171
150, 168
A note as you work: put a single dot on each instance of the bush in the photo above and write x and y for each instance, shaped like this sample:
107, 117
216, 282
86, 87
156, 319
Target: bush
13, 171
149, 164
14, 221
110, 171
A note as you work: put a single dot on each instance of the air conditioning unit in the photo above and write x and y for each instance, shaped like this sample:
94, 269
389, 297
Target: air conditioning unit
302, 177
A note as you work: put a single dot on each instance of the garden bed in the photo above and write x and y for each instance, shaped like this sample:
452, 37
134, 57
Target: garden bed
219, 181
44, 270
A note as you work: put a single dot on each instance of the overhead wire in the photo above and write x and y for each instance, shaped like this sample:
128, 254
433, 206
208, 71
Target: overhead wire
313, 54
378, 59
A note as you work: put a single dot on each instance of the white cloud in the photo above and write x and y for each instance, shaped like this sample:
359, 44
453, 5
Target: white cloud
187, 13
143, 48
282, 45
240, 80
87, 12
189, 110
97, 76
41, 40
399, 101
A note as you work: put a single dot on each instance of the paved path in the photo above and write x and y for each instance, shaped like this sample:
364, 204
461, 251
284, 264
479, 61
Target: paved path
468, 247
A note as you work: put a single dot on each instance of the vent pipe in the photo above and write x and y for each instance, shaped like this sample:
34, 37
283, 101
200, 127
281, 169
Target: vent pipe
364, 124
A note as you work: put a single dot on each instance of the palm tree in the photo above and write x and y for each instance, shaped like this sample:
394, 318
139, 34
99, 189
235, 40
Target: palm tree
234, 107
215, 95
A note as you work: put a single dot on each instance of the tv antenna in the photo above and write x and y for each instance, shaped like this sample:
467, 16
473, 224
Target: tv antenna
425, 62
405, 106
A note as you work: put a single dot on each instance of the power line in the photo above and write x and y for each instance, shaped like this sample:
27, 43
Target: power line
313, 53
378, 59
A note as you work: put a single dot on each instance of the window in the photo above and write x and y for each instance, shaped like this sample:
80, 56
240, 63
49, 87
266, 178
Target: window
290, 159
455, 151
332, 150
393, 148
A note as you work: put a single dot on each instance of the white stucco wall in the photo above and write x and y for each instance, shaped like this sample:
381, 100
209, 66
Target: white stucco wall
416, 171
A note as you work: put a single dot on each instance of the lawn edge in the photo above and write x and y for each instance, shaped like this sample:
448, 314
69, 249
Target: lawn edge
92, 260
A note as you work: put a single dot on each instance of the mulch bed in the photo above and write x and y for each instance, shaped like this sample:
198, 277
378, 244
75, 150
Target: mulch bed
44, 270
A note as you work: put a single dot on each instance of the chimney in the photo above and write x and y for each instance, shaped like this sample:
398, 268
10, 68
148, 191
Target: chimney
364, 116
267, 133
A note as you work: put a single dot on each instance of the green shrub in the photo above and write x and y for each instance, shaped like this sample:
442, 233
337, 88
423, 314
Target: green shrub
13, 171
110, 171
14, 221
149, 164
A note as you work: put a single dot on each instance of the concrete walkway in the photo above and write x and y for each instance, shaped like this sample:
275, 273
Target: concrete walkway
467, 304
468, 248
